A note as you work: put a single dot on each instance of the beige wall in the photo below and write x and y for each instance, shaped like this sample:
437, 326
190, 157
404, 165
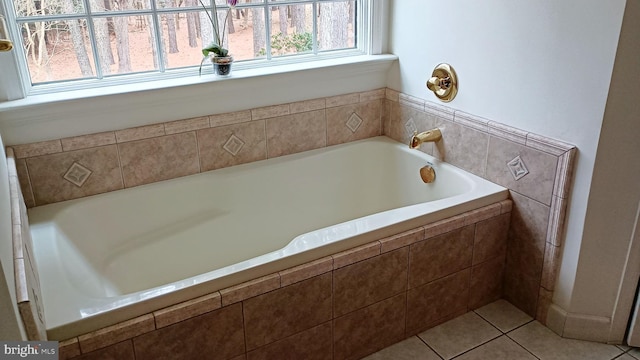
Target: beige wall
545, 67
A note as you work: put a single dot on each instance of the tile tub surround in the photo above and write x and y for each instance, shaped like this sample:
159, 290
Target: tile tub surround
343, 306
125, 158
536, 169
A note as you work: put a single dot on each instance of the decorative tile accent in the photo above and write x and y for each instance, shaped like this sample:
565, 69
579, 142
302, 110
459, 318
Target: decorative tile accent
185, 125
439, 110
508, 132
410, 126
233, 145
517, 168
211, 144
139, 133
471, 121
411, 101
354, 122
77, 174
307, 105
37, 149
269, 112
88, 141
229, 118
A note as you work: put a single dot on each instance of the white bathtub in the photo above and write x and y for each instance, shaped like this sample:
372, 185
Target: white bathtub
111, 257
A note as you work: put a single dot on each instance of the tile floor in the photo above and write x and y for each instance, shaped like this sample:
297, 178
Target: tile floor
499, 331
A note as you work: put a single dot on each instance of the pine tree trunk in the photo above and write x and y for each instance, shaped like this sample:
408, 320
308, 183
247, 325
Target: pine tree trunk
284, 21
334, 21
257, 16
298, 17
78, 42
171, 33
192, 26
230, 28
122, 43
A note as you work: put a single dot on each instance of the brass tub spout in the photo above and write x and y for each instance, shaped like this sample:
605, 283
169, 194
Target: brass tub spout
432, 135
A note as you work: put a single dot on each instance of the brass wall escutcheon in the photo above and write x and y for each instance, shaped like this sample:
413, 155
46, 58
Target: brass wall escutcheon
444, 82
428, 174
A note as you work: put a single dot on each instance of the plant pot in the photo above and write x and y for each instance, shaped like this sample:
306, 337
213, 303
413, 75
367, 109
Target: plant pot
222, 65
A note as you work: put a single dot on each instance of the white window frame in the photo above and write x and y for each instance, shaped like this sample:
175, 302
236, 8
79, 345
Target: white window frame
371, 15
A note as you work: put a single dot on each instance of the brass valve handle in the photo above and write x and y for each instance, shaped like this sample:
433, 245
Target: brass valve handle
443, 82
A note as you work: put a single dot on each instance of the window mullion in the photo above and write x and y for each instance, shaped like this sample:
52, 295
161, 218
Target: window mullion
267, 29
158, 35
314, 35
92, 38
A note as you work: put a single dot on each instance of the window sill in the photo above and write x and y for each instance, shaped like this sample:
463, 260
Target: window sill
57, 115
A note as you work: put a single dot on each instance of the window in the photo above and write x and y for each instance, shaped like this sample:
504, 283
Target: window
89, 41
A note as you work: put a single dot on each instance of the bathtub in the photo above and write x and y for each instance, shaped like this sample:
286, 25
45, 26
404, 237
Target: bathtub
111, 257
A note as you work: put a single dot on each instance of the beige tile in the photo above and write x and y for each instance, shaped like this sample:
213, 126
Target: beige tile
625, 357
486, 282
284, 312
313, 344
121, 351
564, 173
472, 121
527, 235
544, 303
635, 352
342, 100
623, 347
116, 333
404, 120
212, 141
537, 184
218, 333
440, 256
356, 254
521, 289
459, 335
269, 112
157, 159
49, 186
462, 146
501, 348
507, 205
139, 133
68, 349
250, 289
185, 125
229, 118
547, 144
88, 141
187, 310
369, 281
411, 101
551, 265
436, 300
37, 149
503, 315
400, 240
370, 329
557, 217
439, 110
308, 105
306, 271
392, 95
372, 95
410, 349
491, 238
443, 226
546, 345
366, 122
25, 183
296, 133
483, 213
507, 132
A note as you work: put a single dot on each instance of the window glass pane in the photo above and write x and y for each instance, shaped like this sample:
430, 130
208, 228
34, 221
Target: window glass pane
126, 44
247, 36
291, 29
26, 8
98, 6
181, 38
57, 50
336, 25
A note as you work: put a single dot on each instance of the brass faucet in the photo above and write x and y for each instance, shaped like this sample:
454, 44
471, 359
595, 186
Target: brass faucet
432, 135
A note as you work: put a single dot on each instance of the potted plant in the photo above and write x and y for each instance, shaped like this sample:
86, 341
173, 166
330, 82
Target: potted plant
221, 59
